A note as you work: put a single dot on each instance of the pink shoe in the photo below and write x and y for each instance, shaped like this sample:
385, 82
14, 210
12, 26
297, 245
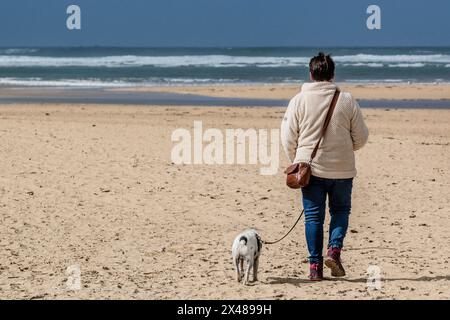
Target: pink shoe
316, 272
333, 261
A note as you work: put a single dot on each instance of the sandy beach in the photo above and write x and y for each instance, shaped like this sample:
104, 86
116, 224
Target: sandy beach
94, 186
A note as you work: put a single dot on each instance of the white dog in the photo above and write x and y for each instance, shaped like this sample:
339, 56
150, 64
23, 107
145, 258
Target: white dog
246, 246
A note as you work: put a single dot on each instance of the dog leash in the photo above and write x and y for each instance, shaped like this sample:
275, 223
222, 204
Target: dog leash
292, 228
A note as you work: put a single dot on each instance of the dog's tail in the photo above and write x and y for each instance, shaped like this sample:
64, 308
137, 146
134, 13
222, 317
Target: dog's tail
242, 245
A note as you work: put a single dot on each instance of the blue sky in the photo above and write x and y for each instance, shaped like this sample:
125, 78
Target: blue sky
224, 23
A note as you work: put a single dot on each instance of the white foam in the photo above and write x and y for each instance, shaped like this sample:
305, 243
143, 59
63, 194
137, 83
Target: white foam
360, 64
407, 65
156, 61
401, 58
215, 61
96, 83
38, 82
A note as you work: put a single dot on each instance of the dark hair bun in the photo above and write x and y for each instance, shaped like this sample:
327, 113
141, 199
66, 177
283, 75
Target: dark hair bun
322, 67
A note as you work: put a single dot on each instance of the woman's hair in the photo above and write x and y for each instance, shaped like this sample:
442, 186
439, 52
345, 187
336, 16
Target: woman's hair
322, 67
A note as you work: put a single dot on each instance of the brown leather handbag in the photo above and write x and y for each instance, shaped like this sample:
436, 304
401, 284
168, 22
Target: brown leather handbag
298, 174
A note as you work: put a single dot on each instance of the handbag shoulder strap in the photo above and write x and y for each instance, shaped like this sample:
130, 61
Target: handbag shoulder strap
327, 122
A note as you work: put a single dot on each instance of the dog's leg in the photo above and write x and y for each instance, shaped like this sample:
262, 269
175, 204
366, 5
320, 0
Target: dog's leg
247, 271
255, 269
238, 272
242, 265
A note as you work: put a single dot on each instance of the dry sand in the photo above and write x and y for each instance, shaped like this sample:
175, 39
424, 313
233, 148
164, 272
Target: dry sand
95, 186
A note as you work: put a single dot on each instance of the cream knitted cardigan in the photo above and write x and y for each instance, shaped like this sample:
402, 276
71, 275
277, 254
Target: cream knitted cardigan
346, 133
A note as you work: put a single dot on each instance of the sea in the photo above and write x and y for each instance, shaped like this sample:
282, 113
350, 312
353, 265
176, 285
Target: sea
128, 67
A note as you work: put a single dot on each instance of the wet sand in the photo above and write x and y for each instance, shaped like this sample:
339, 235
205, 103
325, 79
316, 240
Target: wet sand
286, 91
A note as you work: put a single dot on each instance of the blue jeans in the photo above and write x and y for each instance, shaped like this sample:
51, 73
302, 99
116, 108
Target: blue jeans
339, 193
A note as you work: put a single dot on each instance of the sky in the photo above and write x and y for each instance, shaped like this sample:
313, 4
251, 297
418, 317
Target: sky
224, 23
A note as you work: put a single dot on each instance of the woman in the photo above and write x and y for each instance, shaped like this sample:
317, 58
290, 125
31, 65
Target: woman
333, 168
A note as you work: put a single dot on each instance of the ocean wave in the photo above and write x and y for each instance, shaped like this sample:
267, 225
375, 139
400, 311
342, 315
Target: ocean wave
407, 65
155, 61
215, 61
360, 64
401, 58
38, 82
96, 83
